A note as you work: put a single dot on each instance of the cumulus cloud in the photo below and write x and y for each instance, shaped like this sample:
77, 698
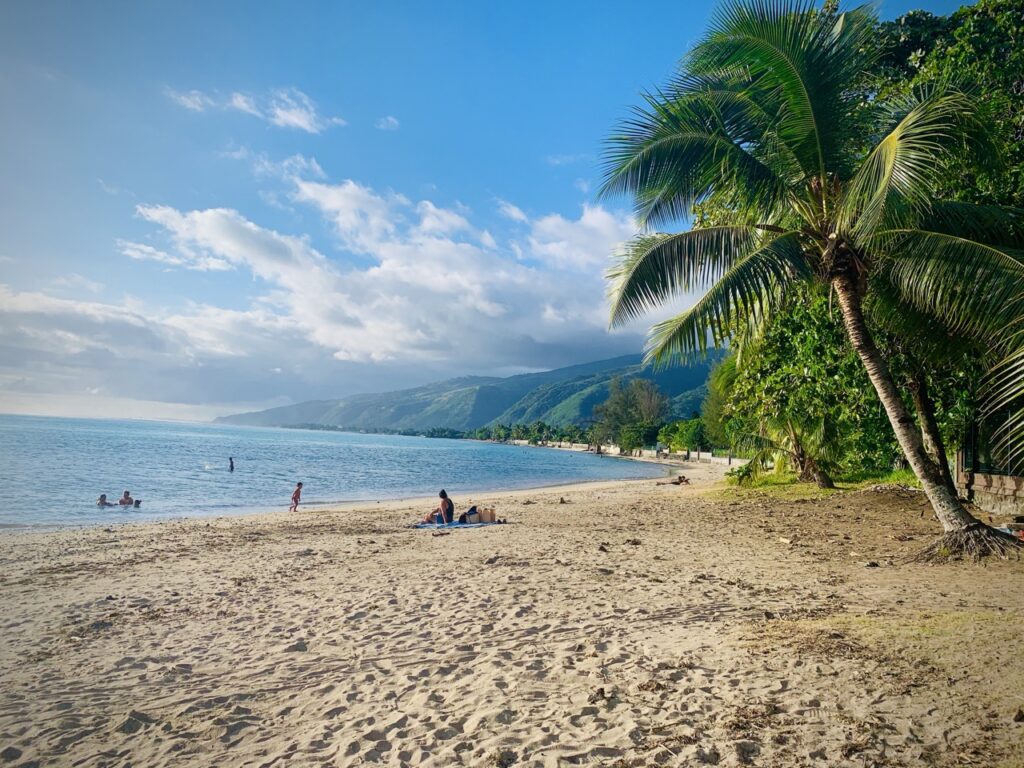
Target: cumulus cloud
582, 243
281, 107
435, 285
405, 291
388, 123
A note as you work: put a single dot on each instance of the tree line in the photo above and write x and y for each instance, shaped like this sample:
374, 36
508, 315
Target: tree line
854, 191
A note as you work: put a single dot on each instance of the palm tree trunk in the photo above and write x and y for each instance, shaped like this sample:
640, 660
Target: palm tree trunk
932, 438
947, 506
821, 478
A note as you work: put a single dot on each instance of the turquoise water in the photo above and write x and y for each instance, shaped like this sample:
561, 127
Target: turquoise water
52, 470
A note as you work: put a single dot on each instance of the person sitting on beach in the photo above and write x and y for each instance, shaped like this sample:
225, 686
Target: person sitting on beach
681, 480
444, 513
102, 501
296, 497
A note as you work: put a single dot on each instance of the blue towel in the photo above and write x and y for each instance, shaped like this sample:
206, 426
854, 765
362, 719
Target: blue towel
452, 525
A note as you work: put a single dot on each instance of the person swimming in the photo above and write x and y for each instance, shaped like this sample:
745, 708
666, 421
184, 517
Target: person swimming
231, 464
102, 501
126, 500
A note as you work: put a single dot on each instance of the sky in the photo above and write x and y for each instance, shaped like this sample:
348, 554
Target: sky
210, 207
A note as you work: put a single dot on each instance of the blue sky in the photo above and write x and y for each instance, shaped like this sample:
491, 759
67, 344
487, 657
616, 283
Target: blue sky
215, 206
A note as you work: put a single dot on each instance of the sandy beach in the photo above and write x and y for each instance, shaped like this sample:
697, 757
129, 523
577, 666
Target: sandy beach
634, 625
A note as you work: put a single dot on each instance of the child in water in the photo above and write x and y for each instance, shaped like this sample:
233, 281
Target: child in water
296, 497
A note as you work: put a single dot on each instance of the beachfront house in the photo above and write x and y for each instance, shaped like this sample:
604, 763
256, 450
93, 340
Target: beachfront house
984, 474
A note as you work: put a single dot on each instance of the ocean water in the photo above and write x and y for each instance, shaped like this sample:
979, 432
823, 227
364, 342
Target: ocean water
52, 470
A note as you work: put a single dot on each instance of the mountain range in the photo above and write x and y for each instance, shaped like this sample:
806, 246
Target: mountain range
558, 397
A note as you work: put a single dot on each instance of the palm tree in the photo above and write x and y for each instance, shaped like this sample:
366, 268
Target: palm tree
807, 446
767, 122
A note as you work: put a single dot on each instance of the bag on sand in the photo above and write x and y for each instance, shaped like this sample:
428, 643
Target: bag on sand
487, 515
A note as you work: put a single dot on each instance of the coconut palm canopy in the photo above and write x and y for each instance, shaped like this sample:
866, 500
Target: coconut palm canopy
811, 179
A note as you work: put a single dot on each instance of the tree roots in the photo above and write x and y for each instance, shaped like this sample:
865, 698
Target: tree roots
975, 542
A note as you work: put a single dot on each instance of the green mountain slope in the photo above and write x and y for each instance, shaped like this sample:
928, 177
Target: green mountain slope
572, 401
561, 396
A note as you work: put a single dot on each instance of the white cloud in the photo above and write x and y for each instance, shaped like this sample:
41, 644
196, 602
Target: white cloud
582, 185
289, 167
413, 287
197, 101
439, 221
583, 243
388, 123
144, 252
510, 211
435, 285
244, 103
566, 159
282, 107
75, 281
291, 108
111, 189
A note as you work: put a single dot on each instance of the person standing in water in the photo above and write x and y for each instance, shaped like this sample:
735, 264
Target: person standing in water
296, 497
231, 464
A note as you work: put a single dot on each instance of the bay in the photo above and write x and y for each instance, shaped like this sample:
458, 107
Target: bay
53, 469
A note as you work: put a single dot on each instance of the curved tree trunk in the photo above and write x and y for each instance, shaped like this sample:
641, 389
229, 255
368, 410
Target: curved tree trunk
932, 438
947, 506
822, 478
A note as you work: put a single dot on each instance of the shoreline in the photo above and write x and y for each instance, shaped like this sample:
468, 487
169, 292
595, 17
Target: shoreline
332, 506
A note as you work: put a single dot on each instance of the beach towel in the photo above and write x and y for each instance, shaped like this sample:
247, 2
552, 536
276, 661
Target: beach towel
449, 526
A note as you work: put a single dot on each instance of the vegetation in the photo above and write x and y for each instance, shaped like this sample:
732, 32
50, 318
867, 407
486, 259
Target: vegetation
561, 397
686, 434
631, 416
809, 180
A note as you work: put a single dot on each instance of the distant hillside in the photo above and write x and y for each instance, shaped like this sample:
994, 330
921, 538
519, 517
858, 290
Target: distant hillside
558, 397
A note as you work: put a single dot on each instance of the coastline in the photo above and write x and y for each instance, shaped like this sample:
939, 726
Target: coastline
643, 623
463, 500
698, 471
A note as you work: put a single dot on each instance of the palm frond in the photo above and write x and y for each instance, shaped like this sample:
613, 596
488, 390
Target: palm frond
654, 268
675, 152
925, 334
896, 183
973, 287
805, 56
992, 224
752, 286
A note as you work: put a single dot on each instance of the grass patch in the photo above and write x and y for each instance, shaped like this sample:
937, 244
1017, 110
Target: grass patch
777, 485
867, 479
785, 486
